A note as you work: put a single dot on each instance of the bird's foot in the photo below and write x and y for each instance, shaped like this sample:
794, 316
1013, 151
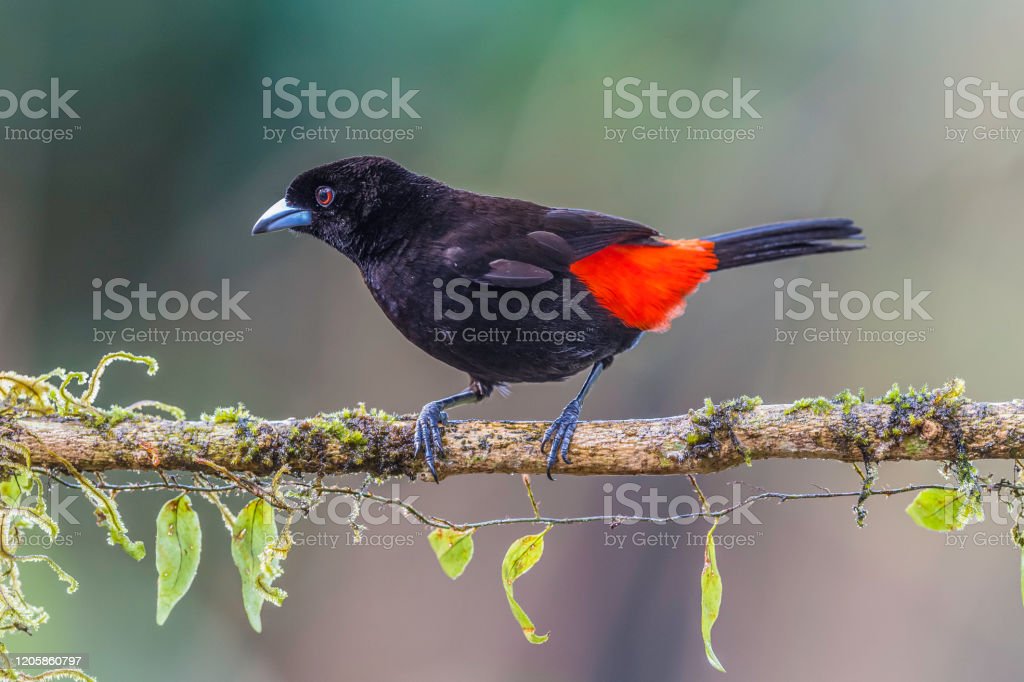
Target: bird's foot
429, 430
559, 435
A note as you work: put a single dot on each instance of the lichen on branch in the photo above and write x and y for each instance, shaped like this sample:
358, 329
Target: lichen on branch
917, 425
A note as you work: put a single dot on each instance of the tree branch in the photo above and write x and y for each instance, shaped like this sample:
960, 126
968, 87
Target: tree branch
709, 440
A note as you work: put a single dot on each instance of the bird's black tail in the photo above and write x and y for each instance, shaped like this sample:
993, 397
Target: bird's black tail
784, 240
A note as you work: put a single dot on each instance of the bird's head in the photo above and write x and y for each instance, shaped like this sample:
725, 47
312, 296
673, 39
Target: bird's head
337, 202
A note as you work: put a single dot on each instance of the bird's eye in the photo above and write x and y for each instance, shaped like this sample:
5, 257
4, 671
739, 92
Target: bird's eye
324, 196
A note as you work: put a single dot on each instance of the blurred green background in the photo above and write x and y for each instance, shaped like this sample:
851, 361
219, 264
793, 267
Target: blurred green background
169, 169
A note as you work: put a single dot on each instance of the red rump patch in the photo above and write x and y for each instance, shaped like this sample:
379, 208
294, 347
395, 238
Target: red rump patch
645, 286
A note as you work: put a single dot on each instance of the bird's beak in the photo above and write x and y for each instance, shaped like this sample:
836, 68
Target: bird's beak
282, 216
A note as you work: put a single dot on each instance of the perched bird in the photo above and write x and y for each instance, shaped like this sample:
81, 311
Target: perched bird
510, 291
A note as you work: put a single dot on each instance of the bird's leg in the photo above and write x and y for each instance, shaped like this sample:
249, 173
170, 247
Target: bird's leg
559, 434
430, 425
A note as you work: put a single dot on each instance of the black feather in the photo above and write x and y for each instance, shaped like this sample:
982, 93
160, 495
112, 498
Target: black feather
784, 240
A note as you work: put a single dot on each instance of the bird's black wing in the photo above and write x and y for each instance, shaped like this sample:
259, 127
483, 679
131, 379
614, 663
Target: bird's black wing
524, 249
587, 232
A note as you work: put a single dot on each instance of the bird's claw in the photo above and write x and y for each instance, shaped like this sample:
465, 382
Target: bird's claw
429, 430
559, 435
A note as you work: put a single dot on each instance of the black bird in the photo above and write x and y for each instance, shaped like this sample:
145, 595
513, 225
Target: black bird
510, 291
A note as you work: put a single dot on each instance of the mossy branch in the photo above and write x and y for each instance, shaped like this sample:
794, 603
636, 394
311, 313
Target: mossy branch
709, 440
46, 429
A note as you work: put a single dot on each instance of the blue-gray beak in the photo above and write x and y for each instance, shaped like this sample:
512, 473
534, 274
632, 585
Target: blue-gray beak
282, 216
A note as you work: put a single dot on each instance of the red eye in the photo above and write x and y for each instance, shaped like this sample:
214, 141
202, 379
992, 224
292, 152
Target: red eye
324, 196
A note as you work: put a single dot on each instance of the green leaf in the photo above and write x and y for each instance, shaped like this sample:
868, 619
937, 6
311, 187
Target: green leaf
943, 510
454, 549
253, 535
520, 558
710, 598
179, 542
16, 485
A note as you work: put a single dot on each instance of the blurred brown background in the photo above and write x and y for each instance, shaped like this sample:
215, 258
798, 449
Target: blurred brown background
169, 169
